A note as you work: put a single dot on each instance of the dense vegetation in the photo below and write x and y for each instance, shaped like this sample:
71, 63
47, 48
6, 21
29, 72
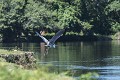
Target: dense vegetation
13, 72
90, 17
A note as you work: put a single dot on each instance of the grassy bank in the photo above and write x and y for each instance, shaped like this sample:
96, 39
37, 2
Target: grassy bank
4, 51
26, 59
13, 71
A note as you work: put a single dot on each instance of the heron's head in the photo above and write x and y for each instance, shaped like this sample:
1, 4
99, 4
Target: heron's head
53, 45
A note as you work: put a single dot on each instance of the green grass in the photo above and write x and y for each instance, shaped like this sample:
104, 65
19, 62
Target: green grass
4, 51
9, 71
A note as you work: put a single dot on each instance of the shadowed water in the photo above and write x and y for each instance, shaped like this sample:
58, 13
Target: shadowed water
102, 57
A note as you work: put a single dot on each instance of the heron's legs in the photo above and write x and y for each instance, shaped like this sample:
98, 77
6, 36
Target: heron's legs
46, 51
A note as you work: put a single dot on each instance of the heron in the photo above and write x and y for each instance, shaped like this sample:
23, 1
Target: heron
51, 43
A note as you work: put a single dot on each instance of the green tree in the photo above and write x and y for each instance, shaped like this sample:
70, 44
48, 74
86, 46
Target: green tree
11, 18
113, 12
24, 17
93, 12
69, 15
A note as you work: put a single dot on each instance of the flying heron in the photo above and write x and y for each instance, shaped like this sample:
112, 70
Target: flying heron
51, 42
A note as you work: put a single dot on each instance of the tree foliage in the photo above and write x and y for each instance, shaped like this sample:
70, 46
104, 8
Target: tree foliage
23, 17
113, 13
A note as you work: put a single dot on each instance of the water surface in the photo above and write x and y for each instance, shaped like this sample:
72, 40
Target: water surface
102, 57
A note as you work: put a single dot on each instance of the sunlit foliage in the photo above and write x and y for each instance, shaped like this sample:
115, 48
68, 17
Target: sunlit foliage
89, 76
23, 17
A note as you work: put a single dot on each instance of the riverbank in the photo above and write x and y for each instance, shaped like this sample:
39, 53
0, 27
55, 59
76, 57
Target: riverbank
71, 38
66, 38
23, 66
25, 59
14, 72
17, 64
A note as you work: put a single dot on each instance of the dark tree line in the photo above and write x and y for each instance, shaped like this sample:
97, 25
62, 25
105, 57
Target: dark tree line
20, 18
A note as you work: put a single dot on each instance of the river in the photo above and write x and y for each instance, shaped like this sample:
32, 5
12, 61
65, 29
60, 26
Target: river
102, 57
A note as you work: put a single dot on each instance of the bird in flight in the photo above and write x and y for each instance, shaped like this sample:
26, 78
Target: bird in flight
51, 42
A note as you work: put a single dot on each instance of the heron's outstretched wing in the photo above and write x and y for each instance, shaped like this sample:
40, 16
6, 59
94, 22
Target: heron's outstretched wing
44, 39
57, 35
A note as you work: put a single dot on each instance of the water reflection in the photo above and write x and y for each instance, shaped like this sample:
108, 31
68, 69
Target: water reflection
79, 57
43, 49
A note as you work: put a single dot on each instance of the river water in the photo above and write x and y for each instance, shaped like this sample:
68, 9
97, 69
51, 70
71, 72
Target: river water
102, 57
